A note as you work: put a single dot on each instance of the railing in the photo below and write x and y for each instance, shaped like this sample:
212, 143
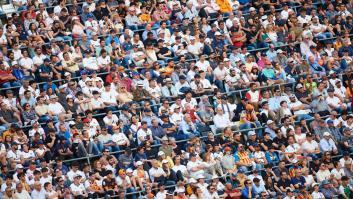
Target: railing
179, 141
104, 73
228, 93
188, 60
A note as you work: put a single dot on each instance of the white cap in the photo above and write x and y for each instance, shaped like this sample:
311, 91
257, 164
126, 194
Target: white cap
67, 74
69, 96
77, 175
290, 60
192, 38
217, 33
128, 170
62, 86
269, 122
192, 180
180, 190
87, 79
160, 153
327, 134
252, 9
226, 59
201, 176
139, 163
299, 86
250, 133
72, 123
315, 184
19, 166
279, 51
214, 177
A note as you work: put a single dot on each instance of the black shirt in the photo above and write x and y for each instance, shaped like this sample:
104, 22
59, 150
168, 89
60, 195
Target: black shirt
109, 184
267, 143
214, 142
283, 183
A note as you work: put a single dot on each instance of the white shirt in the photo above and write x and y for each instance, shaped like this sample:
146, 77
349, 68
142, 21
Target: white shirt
109, 96
79, 189
90, 63
295, 104
317, 195
333, 101
44, 180
220, 73
192, 102
119, 138
72, 173
221, 121
337, 173
310, 146
56, 108
38, 60
203, 65
38, 194
292, 148
103, 61
322, 175
190, 165
26, 63
23, 195
110, 121
161, 195
14, 155
143, 133
155, 172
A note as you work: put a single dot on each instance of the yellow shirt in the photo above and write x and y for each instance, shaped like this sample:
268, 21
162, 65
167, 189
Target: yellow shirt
145, 18
224, 6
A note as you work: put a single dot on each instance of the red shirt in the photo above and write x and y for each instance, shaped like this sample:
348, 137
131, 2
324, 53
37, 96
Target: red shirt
4, 73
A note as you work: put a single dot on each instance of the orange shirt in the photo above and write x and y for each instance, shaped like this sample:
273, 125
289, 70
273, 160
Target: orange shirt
169, 70
244, 157
348, 93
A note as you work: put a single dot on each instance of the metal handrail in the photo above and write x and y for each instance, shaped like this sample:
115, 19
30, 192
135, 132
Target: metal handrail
188, 60
228, 93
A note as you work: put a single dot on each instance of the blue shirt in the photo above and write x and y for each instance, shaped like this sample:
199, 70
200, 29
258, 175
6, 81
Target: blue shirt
186, 128
109, 39
245, 193
53, 87
271, 55
316, 68
299, 181
347, 48
327, 145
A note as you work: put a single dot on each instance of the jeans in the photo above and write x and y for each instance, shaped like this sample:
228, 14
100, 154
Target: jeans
324, 35
43, 118
248, 125
220, 85
11, 84
304, 116
95, 148
3, 128
65, 38
131, 190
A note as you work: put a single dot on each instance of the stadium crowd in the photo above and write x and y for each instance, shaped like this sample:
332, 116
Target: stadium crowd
176, 99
